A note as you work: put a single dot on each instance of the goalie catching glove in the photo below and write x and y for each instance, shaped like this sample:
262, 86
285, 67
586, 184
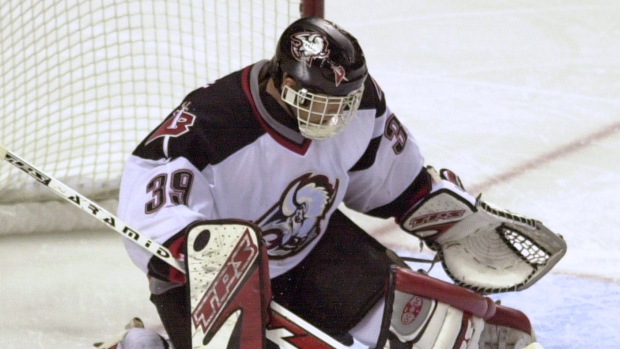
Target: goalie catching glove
481, 247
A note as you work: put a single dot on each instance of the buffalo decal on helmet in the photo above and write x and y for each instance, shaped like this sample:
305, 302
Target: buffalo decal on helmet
295, 220
306, 47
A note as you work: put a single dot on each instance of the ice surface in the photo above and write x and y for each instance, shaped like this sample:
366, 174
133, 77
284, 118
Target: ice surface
520, 98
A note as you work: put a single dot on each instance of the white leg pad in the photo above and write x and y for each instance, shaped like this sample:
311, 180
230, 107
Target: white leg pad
447, 333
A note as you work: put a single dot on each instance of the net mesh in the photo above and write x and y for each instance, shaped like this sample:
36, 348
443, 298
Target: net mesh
84, 81
529, 251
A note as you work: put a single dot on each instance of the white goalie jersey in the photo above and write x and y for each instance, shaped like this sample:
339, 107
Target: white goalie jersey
230, 151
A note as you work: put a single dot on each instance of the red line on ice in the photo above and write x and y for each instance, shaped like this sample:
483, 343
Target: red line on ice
532, 164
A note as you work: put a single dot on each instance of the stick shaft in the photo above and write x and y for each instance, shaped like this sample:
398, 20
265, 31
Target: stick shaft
91, 208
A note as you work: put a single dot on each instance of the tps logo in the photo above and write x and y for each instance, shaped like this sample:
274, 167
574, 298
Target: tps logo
228, 280
175, 126
437, 217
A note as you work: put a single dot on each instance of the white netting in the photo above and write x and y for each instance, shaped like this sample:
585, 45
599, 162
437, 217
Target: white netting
84, 81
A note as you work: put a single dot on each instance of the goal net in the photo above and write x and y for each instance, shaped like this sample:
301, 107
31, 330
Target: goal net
84, 81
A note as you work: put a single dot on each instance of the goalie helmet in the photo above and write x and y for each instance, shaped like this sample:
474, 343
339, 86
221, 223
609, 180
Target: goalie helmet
329, 68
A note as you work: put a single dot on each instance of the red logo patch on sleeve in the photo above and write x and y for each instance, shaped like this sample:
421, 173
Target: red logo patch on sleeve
177, 125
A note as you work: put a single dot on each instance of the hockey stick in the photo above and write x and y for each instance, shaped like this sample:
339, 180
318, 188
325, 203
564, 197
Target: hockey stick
278, 335
92, 208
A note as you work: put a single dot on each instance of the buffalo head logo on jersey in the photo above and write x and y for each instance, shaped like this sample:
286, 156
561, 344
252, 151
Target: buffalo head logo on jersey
295, 221
178, 124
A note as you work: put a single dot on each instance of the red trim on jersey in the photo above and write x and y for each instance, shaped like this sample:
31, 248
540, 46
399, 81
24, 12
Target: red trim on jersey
175, 248
285, 142
421, 187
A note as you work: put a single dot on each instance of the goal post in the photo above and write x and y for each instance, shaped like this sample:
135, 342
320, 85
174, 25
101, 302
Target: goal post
312, 8
84, 81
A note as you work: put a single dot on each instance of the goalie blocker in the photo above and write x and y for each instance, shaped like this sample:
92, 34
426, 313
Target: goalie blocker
228, 286
481, 247
230, 293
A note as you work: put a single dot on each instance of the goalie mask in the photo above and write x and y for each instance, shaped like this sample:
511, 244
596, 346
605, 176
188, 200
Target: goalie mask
329, 68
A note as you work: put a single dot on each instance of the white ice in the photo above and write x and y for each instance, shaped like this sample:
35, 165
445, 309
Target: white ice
520, 98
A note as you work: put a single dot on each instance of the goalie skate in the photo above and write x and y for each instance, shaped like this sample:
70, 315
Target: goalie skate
134, 336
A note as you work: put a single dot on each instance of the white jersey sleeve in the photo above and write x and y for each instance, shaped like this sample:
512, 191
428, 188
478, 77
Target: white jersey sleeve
389, 167
160, 198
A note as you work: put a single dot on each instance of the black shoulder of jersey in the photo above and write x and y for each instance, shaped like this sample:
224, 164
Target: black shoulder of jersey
211, 123
373, 97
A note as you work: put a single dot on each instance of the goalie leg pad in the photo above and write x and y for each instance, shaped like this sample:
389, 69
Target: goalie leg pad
508, 329
228, 283
432, 314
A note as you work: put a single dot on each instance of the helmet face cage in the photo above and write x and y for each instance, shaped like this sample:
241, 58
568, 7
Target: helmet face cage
321, 116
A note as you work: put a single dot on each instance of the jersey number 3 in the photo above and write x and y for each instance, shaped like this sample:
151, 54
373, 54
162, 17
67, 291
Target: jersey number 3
180, 187
394, 130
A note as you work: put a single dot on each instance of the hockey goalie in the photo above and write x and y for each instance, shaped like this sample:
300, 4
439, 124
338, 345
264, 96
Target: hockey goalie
243, 183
